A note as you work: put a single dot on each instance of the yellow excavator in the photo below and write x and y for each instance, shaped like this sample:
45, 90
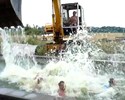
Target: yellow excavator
10, 15
60, 27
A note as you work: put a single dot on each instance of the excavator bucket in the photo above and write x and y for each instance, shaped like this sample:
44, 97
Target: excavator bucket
10, 13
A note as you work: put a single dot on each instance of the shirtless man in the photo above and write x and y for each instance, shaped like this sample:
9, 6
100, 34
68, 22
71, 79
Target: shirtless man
73, 20
61, 90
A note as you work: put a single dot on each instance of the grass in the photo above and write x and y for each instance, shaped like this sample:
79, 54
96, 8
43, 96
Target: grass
111, 47
109, 42
109, 36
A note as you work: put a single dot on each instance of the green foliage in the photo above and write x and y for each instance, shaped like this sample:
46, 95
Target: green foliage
41, 49
106, 29
34, 30
32, 34
84, 91
41, 45
33, 40
110, 47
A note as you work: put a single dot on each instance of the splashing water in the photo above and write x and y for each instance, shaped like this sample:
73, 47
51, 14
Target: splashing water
75, 67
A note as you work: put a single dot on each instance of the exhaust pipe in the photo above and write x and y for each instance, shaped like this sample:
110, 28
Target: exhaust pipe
10, 13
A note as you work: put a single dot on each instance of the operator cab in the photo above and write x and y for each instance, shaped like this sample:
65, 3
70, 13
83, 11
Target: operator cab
67, 12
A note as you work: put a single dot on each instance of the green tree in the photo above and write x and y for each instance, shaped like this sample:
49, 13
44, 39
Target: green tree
35, 30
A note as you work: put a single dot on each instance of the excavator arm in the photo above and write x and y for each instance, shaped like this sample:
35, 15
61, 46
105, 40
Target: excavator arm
57, 21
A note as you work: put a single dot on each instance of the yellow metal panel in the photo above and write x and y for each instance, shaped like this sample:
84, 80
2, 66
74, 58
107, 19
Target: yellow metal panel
57, 19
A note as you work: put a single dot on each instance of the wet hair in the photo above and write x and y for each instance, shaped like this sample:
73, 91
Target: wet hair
60, 82
74, 12
111, 81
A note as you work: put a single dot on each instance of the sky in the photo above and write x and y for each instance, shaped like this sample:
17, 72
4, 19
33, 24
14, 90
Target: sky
96, 12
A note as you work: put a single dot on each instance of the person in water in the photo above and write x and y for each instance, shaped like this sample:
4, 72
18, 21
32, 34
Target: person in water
38, 79
62, 88
112, 82
109, 90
